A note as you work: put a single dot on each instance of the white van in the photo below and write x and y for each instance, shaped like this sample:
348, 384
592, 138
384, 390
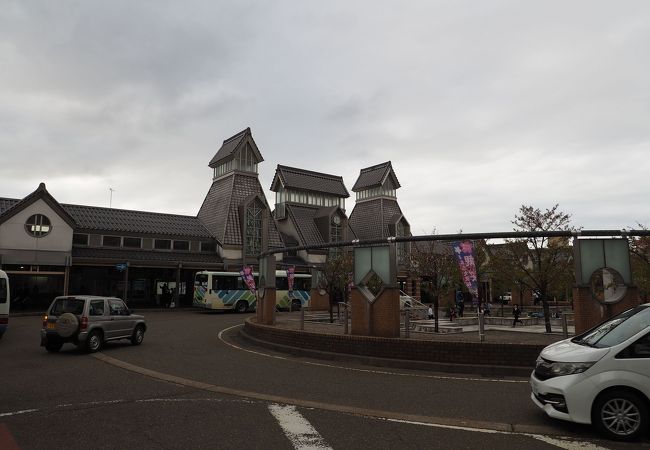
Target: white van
601, 377
4, 302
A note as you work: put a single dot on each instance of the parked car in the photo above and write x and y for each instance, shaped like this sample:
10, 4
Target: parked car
601, 377
88, 322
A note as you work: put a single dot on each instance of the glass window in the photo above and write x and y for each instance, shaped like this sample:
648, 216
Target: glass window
201, 280
117, 307
96, 308
67, 305
38, 225
208, 247
163, 244
111, 241
640, 349
3, 290
80, 239
132, 242
181, 245
617, 329
254, 214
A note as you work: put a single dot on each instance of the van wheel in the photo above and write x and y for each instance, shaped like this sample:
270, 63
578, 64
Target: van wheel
241, 306
138, 335
53, 346
620, 415
94, 342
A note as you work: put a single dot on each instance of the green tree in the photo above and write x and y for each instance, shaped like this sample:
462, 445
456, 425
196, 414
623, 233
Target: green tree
544, 265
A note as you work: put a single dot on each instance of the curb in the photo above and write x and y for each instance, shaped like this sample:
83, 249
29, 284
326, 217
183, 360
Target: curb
468, 369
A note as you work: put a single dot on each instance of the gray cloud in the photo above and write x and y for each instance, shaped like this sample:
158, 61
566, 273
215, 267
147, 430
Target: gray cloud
481, 107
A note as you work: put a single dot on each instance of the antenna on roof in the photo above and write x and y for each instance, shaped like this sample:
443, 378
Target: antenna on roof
110, 203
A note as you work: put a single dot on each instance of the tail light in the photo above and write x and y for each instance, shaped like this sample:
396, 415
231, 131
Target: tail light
84, 323
45, 321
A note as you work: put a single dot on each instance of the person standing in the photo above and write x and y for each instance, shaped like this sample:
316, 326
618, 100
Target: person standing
488, 309
430, 313
516, 312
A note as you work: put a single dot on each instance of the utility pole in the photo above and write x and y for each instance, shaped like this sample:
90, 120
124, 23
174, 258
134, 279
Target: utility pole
110, 203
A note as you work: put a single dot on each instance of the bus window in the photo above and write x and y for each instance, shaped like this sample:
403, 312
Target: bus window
201, 280
302, 284
215, 283
282, 283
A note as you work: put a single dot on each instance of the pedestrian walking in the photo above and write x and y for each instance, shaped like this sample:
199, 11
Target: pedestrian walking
430, 313
516, 312
488, 309
452, 313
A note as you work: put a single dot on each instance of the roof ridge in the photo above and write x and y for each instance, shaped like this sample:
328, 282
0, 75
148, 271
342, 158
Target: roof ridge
240, 134
322, 174
376, 166
127, 210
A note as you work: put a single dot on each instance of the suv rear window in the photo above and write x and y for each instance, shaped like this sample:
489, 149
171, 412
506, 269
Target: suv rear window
67, 305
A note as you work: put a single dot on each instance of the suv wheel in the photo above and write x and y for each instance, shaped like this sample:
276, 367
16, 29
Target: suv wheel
94, 342
53, 345
620, 415
138, 335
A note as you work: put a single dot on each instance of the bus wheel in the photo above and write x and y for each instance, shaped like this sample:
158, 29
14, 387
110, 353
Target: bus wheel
241, 306
296, 305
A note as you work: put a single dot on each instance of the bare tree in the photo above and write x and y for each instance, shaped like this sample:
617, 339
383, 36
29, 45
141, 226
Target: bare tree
335, 278
540, 264
434, 263
640, 262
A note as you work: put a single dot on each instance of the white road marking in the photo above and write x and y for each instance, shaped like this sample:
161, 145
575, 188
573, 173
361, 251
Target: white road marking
15, 413
561, 442
352, 369
297, 429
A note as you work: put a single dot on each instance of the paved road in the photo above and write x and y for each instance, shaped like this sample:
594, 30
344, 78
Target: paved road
195, 383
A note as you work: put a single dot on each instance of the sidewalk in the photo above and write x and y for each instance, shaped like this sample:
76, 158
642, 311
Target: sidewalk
318, 322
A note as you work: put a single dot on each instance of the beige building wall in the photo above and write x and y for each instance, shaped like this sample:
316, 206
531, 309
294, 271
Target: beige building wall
14, 236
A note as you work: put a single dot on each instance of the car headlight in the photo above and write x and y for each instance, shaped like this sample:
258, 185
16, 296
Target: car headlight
570, 368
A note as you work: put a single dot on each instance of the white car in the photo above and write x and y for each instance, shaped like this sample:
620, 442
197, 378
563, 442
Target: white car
601, 377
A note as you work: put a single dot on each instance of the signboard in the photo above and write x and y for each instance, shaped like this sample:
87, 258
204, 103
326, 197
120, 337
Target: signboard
121, 267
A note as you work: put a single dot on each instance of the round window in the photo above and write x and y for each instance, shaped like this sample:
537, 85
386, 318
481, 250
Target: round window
607, 285
38, 225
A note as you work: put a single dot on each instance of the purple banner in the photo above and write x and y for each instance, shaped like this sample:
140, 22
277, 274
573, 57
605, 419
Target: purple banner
464, 252
290, 276
247, 275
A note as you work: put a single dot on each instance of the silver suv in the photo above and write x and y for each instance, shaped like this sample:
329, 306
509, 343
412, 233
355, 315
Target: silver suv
88, 321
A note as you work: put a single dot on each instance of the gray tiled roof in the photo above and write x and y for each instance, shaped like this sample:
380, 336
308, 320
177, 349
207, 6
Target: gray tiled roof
220, 209
303, 219
375, 176
143, 255
90, 218
140, 222
232, 143
370, 219
306, 180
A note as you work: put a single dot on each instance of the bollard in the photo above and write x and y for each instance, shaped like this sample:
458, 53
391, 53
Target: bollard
407, 327
481, 326
345, 328
565, 327
302, 319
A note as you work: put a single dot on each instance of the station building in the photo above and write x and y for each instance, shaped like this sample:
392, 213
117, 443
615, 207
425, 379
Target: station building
50, 248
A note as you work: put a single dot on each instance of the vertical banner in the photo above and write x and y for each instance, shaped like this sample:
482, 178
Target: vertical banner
247, 275
290, 276
464, 252
350, 283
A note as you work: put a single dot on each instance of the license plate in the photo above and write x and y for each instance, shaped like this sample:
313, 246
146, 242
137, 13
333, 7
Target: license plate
51, 325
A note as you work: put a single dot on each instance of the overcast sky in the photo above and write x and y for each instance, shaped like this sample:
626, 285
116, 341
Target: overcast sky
481, 106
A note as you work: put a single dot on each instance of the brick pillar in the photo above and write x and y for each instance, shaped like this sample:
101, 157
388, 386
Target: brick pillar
380, 318
589, 312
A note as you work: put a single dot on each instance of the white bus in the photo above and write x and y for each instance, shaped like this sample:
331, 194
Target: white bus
226, 291
4, 302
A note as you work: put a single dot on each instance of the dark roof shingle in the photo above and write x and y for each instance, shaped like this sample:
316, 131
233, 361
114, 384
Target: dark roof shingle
306, 180
374, 176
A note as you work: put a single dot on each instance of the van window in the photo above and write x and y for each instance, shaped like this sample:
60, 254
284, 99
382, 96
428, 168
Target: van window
640, 349
617, 329
3, 290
